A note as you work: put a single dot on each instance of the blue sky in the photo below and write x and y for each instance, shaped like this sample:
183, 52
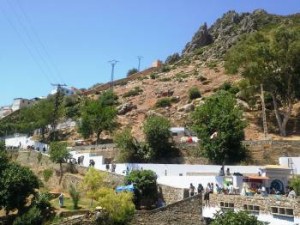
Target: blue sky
71, 41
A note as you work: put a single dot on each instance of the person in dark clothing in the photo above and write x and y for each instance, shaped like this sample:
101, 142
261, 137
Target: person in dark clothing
192, 190
200, 188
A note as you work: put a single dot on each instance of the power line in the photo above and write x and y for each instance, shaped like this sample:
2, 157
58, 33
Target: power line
42, 44
25, 44
30, 39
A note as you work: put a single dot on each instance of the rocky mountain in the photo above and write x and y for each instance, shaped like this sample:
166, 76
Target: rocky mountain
227, 30
200, 65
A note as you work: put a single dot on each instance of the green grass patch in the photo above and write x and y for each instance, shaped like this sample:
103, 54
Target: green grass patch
134, 92
84, 203
165, 79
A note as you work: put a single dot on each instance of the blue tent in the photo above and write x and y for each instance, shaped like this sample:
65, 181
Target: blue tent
129, 188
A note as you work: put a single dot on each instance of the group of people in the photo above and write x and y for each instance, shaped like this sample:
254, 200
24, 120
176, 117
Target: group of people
113, 167
222, 171
200, 189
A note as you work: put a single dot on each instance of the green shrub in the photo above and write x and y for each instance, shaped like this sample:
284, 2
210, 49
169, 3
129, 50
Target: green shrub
133, 92
165, 79
194, 93
153, 76
295, 183
132, 71
143, 78
165, 69
163, 102
181, 75
229, 87
42, 202
32, 217
212, 64
198, 51
47, 174
119, 206
75, 195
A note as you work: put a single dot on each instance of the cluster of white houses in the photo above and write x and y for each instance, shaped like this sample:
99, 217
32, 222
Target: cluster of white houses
274, 209
19, 103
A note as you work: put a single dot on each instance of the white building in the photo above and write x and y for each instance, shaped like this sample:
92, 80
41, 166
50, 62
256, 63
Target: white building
291, 162
20, 103
23, 142
5, 111
66, 91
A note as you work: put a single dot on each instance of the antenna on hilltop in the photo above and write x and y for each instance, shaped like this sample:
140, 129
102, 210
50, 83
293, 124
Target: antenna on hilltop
113, 63
139, 65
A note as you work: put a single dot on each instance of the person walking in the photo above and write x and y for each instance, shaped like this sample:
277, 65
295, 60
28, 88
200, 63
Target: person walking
61, 200
192, 190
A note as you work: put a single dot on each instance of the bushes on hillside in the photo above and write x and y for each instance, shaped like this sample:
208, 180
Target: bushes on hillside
194, 93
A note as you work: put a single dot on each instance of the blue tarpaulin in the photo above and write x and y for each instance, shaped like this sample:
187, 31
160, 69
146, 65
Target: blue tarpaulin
125, 188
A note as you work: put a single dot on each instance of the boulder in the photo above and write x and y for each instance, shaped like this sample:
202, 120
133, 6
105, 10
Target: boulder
187, 108
125, 108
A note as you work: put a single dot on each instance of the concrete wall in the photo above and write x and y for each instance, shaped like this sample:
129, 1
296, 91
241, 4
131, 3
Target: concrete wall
291, 162
184, 212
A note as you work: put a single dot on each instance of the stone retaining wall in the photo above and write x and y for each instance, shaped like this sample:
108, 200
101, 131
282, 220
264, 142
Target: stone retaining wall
184, 212
263, 204
171, 194
268, 151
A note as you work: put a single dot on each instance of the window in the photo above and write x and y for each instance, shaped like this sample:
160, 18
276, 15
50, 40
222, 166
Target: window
281, 211
251, 208
225, 206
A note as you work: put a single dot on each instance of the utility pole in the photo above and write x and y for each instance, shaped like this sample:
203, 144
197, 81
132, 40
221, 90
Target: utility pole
265, 126
56, 107
113, 63
139, 65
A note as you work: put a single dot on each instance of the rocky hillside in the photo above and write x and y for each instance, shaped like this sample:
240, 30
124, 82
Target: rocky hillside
200, 65
227, 30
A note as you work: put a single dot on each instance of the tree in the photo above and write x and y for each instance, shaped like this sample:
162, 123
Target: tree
32, 217
16, 183
2, 145
145, 182
118, 205
236, 218
132, 71
92, 182
130, 149
271, 58
3, 157
157, 135
295, 183
99, 115
75, 195
219, 125
58, 154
